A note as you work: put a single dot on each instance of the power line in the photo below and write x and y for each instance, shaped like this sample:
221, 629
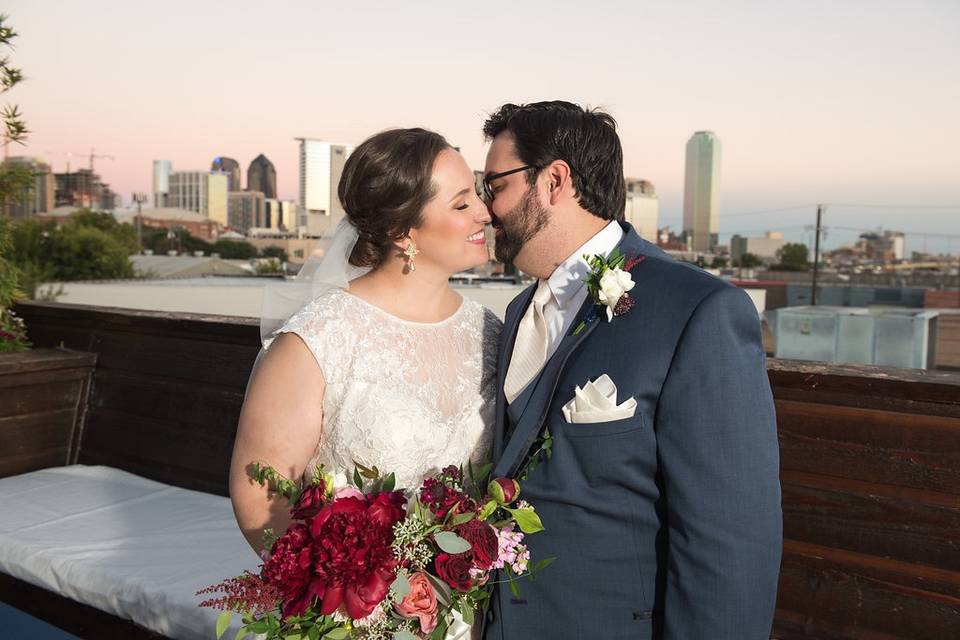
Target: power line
955, 207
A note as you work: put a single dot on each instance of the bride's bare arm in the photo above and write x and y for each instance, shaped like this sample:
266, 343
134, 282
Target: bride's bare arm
280, 426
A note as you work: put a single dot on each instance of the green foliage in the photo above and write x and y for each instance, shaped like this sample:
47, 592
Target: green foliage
793, 257
719, 262
14, 128
748, 261
124, 233
44, 251
16, 182
267, 267
235, 250
13, 335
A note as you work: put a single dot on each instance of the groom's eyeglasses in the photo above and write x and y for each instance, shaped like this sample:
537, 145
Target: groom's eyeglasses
488, 189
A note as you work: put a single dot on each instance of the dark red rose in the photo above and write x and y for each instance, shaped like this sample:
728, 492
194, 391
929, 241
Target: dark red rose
289, 570
309, 503
388, 508
455, 570
438, 497
483, 540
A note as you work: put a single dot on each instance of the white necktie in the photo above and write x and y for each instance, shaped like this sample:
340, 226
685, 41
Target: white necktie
530, 347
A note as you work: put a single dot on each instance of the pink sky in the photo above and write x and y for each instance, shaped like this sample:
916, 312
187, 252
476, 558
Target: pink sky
852, 102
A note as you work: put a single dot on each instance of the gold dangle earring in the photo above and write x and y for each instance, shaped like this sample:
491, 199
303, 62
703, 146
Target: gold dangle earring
410, 253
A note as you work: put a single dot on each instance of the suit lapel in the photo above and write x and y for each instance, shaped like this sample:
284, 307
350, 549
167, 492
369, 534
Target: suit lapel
530, 419
511, 323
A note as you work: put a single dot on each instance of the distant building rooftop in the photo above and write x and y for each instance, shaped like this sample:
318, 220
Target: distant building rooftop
187, 266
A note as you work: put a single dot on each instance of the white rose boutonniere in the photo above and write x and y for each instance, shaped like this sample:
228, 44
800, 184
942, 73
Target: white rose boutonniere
609, 283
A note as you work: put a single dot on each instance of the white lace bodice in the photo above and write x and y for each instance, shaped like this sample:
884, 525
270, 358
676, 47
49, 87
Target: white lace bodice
403, 396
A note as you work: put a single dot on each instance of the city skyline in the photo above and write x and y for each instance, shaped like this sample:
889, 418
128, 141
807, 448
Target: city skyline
819, 103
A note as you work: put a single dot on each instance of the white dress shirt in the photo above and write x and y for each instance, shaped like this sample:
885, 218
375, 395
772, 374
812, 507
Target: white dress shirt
567, 284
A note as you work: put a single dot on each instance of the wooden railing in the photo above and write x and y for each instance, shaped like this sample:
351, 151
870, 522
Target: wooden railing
870, 460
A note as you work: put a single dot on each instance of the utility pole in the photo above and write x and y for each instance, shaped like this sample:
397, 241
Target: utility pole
140, 198
816, 256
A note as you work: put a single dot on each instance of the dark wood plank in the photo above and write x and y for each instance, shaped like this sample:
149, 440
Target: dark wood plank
79, 619
826, 593
910, 390
45, 360
13, 465
178, 454
38, 398
214, 408
883, 520
909, 450
179, 358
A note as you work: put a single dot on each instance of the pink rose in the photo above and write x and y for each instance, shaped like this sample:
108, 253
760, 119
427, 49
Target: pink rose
420, 603
348, 492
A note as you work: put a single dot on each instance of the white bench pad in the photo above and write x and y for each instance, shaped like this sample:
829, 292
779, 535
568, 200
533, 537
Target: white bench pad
130, 546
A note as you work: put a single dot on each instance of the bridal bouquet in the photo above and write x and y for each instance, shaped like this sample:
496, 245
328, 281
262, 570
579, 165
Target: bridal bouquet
363, 560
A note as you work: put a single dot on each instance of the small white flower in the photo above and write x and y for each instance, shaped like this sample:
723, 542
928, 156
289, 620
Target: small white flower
614, 283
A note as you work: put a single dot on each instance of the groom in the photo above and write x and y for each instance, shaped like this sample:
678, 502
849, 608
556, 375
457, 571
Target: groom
660, 498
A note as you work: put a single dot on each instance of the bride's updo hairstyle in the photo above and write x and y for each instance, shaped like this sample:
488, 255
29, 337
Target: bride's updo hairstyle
385, 185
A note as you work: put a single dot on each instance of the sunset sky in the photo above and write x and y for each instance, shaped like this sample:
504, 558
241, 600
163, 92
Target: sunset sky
846, 103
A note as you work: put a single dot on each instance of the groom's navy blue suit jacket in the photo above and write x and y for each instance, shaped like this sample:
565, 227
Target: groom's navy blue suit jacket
667, 524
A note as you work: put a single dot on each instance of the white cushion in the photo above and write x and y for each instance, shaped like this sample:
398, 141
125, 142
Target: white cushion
133, 547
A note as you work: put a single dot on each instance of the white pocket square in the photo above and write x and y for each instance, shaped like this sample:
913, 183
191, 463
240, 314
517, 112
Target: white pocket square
597, 402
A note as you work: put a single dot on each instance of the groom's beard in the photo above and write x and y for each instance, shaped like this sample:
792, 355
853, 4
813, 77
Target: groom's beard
519, 226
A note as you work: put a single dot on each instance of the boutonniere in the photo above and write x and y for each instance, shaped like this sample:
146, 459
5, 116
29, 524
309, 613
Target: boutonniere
608, 284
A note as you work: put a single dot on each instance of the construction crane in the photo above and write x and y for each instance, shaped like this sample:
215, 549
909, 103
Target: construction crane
94, 155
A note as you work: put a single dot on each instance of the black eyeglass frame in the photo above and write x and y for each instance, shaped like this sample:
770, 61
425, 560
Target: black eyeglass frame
488, 189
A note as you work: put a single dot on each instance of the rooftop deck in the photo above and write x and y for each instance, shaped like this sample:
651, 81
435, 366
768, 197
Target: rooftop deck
870, 456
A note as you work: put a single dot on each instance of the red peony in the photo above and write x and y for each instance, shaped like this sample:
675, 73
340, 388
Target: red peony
388, 508
309, 503
289, 569
483, 540
352, 553
455, 570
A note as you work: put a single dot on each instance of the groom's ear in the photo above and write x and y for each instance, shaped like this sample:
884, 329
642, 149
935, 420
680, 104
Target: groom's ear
559, 180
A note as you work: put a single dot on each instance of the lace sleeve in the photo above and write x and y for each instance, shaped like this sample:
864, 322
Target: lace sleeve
312, 325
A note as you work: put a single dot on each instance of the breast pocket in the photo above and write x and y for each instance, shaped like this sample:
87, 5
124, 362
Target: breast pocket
603, 429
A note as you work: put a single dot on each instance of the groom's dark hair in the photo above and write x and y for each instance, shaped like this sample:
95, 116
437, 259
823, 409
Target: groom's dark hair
586, 139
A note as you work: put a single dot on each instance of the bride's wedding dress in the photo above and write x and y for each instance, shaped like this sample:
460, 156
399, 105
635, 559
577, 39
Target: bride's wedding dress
407, 397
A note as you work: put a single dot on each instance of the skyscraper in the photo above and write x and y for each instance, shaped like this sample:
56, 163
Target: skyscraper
200, 191
321, 165
701, 206
262, 177
230, 167
161, 182
642, 208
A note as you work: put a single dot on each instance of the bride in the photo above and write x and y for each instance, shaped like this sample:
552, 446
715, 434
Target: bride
393, 368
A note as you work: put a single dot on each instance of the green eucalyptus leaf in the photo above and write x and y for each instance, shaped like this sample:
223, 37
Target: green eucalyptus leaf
242, 633
403, 634
401, 586
451, 542
223, 622
462, 518
527, 519
336, 634
487, 510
